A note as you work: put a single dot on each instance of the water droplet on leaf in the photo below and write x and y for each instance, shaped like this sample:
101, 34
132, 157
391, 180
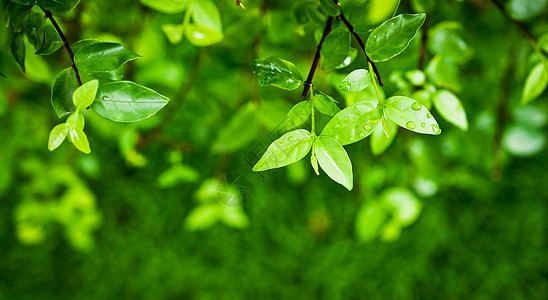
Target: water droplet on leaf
416, 106
351, 139
280, 141
367, 127
290, 139
423, 124
410, 125
336, 126
429, 115
362, 135
345, 85
105, 98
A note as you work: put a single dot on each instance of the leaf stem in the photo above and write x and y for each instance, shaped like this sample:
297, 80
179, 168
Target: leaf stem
312, 118
66, 44
532, 39
308, 82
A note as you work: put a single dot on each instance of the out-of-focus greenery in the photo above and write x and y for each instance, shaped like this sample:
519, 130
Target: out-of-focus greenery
169, 208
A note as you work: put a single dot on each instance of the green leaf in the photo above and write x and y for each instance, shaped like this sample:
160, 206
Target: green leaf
76, 120
51, 42
202, 36
352, 54
353, 123
443, 73
173, 32
447, 39
525, 9
79, 139
334, 160
379, 141
298, 115
65, 7
358, 17
166, 6
82, 43
356, 81
101, 57
18, 17
205, 13
126, 101
234, 217
330, 8
450, 108
415, 77
522, 141
369, 220
85, 95
335, 48
48, 3
325, 103
61, 92
314, 163
277, 72
203, 217
393, 36
402, 204
35, 29
24, 2
411, 115
18, 50
289, 148
239, 132
536, 82
57, 136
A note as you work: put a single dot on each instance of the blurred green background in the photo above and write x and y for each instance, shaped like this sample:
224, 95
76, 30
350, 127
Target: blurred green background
168, 208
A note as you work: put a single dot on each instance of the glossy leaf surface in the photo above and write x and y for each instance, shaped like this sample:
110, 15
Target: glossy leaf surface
298, 115
335, 48
289, 148
61, 92
334, 160
277, 72
353, 123
536, 83
451, 109
411, 115
356, 81
102, 57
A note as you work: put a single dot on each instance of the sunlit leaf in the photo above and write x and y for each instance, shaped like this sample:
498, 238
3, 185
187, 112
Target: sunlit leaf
334, 160
57, 136
79, 139
379, 141
277, 72
166, 6
411, 115
298, 115
325, 104
451, 109
353, 123
356, 81
536, 82
85, 95
289, 148
102, 57
335, 48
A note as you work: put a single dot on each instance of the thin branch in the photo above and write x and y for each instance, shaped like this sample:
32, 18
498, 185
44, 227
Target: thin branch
66, 44
520, 26
362, 45
308, 82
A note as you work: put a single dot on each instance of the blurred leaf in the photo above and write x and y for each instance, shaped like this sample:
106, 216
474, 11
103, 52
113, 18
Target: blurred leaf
205, 13
451, 109
356, 81
522, 141
423, 5
65, 7
289, 148
393, 36
203, 217
415, 77
446, 39
18, 50
330, 8
335, 49
411, 115
167, 6
61, 92
234, 217
353, 123
52, 42
369, 220
443, 73
298, 115
525, 9
405, 207
277, 72
126, 101
85, 95
102, 57
173, 32
239, 132
334, 160
536, 82
202, 36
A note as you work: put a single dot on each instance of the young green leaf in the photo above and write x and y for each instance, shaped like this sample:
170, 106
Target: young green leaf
443, 73
298, 115
353, 123
334, 160
277, 72
335, 48
203, 217
234, 216
411, 115
85, 95
205, 13
65, 7
173, 32
370, 220
167, 6
101, 57
393, 36
289, 148
330, 8
202, 36
18, 49
379, 141
325, 104
51, 42
35, 29
356, 81
57, 136
126, 101
79, 139
402, 204
450, 108
314, 163
76, 120
352, 54
536, 82
61, 92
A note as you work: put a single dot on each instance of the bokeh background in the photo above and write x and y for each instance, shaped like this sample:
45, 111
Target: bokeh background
168, 208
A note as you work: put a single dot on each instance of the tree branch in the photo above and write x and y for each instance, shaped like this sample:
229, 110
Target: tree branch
520, 26
66, 44
308, 82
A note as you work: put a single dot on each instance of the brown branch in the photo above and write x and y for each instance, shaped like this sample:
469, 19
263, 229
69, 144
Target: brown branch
308, 82
520, 26
66, 44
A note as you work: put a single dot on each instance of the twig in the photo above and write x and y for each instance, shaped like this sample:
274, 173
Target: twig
66, 44
308, 82
520, 26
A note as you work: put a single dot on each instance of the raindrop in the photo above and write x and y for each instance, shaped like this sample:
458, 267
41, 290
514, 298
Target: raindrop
436, 129
423, 124
362, 135
392, 23
281, 141
345, 85
429, 115
416, 106
375, 36
367, 127
410, 125
351, 138
105, 98
336, 126
273, 150
290, 138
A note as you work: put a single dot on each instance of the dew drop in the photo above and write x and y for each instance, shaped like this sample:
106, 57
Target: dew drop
423, 124
280, 141
392, 23
289, 119
436, 129
345, 85
375, 36
105, 98
273, 150
351, 139
367, 127
362, 135
410, 125
416, 106
336, 126
429, 115
290, 138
